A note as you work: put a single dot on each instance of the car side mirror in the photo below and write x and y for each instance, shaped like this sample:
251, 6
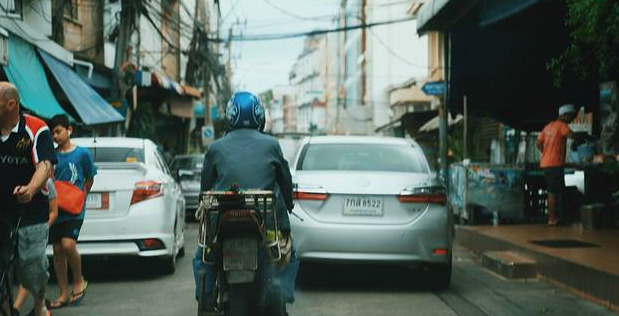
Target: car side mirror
184, 173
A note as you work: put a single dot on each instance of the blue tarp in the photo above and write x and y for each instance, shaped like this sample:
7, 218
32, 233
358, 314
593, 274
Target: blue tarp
88, 104
27, 74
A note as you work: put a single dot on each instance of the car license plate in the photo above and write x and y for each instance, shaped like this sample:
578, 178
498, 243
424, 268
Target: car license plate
240, 254
97, 201
363, 205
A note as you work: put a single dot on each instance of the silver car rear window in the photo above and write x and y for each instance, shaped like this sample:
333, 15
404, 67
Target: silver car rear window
117, 154
362, 157
188, 163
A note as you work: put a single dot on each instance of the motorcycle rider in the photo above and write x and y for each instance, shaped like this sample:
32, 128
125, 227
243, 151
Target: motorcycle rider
252, 160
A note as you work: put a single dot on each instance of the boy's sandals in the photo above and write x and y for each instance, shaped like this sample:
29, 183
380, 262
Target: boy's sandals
78, 298
56, 304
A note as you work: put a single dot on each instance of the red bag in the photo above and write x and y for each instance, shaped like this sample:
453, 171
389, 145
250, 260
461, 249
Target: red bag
70, 198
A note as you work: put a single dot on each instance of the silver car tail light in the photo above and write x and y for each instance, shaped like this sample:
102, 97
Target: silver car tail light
310, 193
425, 195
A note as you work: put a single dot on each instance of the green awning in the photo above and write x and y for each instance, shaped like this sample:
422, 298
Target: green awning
27, 74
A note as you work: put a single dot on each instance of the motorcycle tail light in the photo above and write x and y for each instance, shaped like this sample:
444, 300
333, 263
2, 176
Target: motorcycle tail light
440, 251
145, 190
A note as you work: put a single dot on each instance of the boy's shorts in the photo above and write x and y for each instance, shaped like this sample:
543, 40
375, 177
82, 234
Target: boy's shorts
32, 262
67, 229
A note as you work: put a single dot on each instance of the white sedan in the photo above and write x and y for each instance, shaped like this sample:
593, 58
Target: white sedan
135, 207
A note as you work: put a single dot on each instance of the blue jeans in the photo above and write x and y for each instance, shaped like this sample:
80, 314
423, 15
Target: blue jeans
288, 275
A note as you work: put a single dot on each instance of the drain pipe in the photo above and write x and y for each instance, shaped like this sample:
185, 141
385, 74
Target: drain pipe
87, 64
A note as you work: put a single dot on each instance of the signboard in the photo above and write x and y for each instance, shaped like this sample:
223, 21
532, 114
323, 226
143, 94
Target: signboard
214, 112
434, 88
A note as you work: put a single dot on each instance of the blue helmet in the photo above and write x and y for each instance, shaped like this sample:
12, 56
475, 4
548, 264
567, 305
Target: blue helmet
245, 110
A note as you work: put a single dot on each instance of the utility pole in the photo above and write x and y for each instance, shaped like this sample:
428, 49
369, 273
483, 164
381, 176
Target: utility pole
206, 67
229, 62
126, 27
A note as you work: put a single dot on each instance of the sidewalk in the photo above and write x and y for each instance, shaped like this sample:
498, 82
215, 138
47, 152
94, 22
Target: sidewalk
591, 272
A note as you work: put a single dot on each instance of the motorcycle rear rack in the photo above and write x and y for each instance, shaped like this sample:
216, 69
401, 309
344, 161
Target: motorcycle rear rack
213, 204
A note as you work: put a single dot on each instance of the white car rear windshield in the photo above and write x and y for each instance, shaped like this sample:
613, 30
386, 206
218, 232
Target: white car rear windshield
117, 154
362, 157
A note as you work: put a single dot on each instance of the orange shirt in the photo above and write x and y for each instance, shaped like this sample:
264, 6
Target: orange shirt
553, 138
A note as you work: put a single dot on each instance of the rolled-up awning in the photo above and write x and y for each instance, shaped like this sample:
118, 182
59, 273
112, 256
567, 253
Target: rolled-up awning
88, 104
28, 75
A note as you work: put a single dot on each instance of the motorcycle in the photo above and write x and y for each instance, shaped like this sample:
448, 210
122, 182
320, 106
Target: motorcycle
8, 255
240, 241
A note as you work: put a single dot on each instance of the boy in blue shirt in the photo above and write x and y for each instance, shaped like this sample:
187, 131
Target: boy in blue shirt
75, 165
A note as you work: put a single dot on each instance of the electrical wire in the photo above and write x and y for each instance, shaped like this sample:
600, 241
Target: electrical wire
286, 12
156, 14
230, 11
393, 53
270, 37
175, 23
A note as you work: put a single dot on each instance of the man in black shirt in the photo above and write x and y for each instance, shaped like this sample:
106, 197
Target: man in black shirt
26, 159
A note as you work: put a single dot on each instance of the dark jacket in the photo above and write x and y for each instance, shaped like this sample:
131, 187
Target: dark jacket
253, 161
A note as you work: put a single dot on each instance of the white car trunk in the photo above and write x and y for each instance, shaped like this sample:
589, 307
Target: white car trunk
117, 181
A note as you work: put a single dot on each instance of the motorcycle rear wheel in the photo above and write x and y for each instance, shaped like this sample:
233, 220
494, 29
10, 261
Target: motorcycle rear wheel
238, 300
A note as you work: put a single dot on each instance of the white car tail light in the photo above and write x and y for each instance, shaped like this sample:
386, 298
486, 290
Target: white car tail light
145, 190
432, 195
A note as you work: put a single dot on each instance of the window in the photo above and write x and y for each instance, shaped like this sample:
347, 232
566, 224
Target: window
14, 7
71, 9
363, 157
120, 154
188, 163
163, 165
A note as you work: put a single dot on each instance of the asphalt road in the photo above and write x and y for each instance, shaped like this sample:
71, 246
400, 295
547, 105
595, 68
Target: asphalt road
133, 287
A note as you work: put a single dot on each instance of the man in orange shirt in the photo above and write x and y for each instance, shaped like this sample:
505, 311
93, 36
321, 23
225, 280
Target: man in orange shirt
551, 142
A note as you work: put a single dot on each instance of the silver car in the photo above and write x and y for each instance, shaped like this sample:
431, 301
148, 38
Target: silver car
187, 169
370, 200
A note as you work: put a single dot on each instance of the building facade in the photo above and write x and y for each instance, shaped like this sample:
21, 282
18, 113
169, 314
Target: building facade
309, 78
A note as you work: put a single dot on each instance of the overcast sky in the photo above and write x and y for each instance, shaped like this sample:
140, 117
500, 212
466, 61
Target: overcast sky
265, 64
261, 65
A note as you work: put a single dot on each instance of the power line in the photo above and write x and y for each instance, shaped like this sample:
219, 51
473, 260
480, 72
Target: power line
230, 11
393, 53
175, 24
286, 12
270, 37
150, 20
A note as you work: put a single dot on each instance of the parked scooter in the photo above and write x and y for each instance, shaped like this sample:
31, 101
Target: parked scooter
239, 237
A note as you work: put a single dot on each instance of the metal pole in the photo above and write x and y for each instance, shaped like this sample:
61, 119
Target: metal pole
465, 150
442, 131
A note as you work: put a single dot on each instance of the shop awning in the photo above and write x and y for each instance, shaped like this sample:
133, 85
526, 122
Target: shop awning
88, 104
433, 124
441, 14
191, 91
498, 58
28, 75
155, 79
98, 80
